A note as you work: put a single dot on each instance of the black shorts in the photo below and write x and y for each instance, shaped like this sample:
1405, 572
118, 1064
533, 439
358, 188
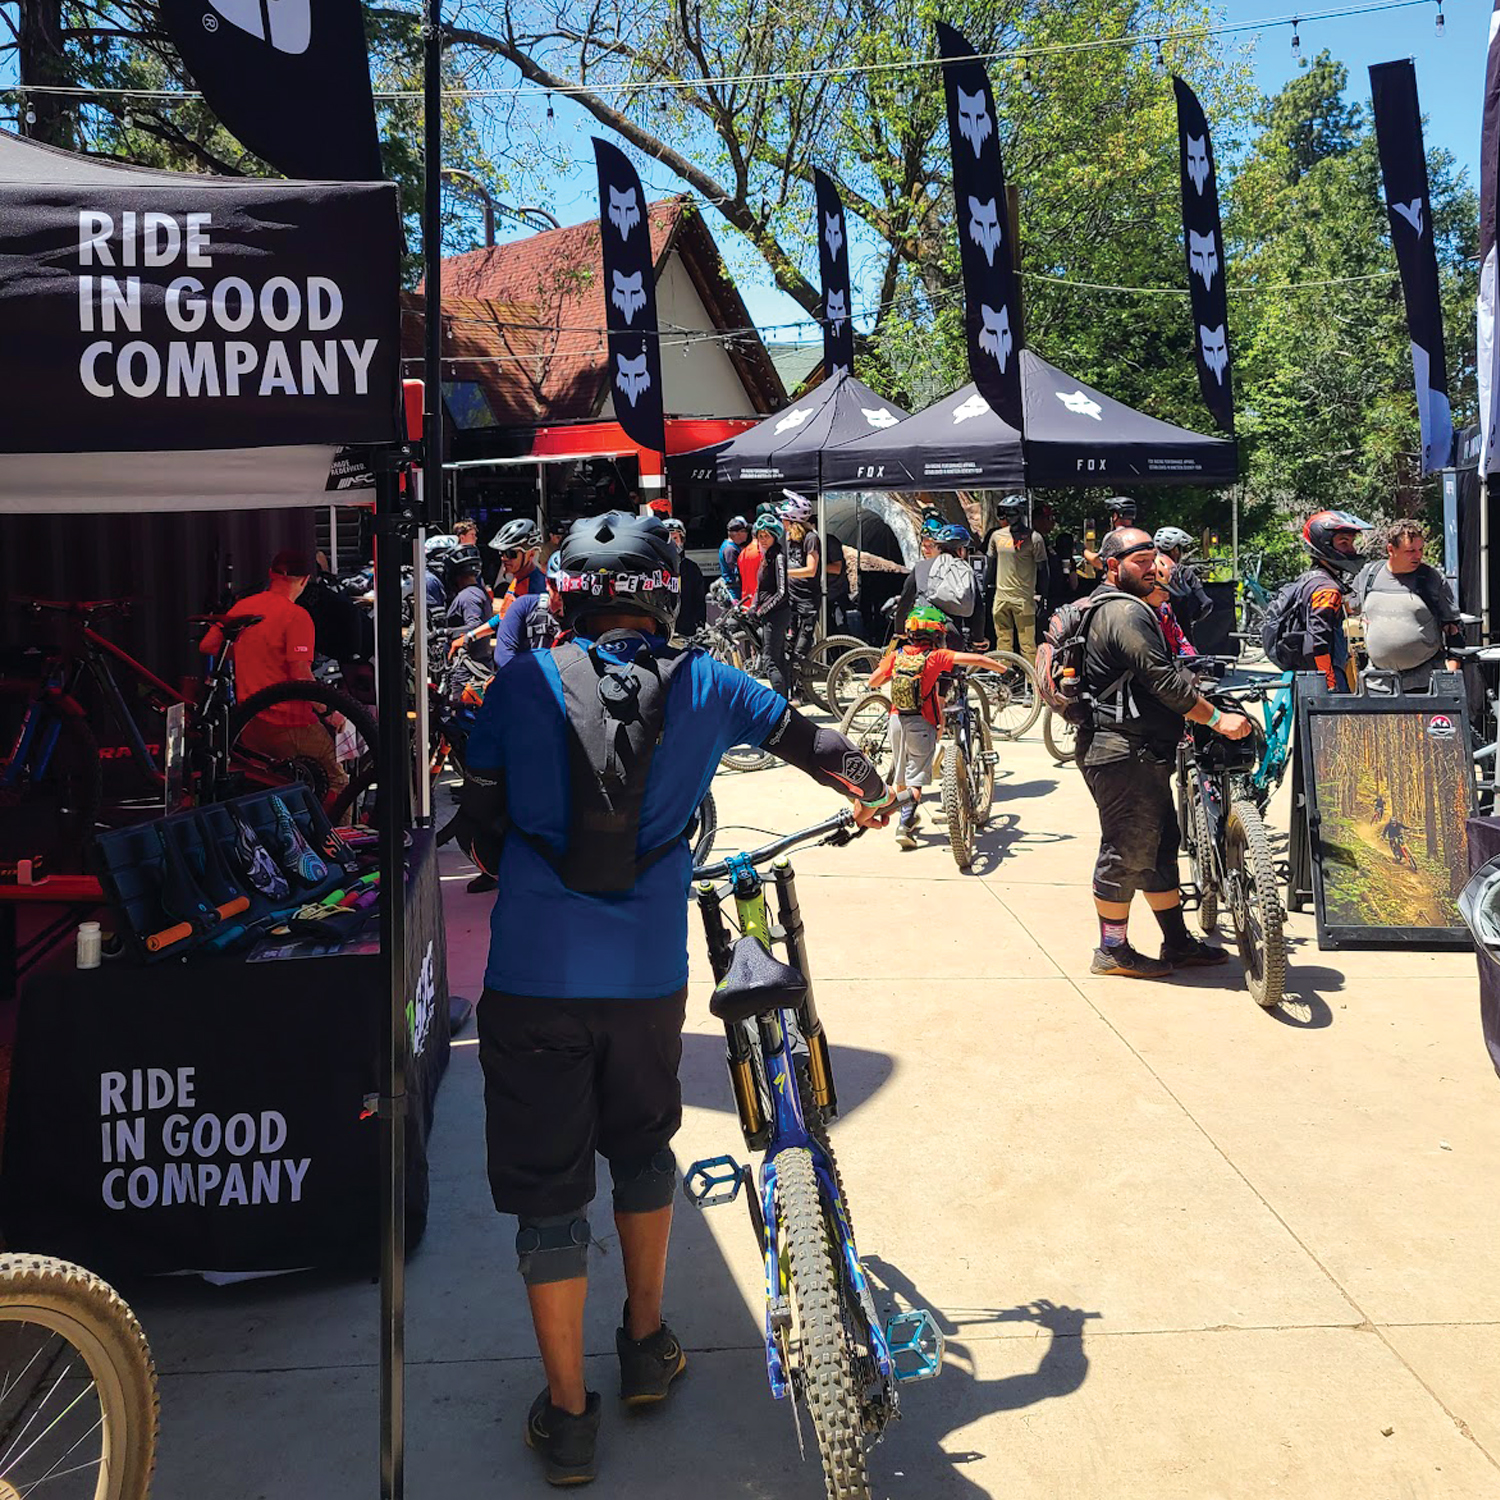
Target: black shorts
565, 1079
1138, 835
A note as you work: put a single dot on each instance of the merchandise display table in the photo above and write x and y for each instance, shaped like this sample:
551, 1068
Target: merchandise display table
218, 1115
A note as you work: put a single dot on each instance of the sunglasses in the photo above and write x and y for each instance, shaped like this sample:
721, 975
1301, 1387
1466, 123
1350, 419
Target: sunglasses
512, 553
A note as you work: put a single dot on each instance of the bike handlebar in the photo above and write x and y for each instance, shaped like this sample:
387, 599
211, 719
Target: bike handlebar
837, 830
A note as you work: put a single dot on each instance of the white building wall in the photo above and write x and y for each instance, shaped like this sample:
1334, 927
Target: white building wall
702, 382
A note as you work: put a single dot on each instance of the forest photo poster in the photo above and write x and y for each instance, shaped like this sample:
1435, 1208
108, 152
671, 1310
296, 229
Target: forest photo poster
1391, 788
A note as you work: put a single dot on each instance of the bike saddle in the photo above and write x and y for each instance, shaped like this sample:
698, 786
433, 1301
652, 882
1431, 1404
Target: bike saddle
755, 983
229, 625
83, 608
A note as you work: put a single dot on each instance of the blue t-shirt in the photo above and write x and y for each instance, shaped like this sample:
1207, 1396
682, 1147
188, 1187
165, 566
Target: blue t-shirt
519, 632
549, 941
729, 567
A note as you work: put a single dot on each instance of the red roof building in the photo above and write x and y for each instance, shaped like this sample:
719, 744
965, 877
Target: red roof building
524, 339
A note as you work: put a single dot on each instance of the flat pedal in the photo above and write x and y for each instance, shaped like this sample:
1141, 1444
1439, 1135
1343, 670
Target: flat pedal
712, 1181
916, 1344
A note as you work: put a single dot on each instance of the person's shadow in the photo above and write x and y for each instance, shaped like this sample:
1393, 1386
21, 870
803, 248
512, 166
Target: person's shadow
964, 1397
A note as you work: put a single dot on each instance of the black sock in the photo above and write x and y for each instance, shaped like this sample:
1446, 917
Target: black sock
1173, 928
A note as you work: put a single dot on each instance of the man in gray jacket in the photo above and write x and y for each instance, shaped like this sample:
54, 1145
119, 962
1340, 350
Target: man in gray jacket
1409, 612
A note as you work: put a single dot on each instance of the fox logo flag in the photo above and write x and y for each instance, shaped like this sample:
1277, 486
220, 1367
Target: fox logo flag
986, 242
630, 306
1487, 353
289, 79
1403, 167
833, 266
1202, 244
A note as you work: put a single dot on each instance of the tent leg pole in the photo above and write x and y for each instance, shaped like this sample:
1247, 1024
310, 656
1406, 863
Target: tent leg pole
393, 771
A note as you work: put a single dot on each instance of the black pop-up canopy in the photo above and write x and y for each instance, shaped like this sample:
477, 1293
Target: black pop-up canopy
787, 448
1075, 435
182, 342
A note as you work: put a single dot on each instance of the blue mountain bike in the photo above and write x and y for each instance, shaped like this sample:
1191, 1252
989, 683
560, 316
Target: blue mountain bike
826, 1347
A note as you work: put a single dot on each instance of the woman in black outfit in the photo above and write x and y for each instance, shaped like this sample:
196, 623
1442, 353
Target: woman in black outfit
773, 601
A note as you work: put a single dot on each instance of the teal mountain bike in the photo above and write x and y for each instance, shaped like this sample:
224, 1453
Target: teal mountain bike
826, 1347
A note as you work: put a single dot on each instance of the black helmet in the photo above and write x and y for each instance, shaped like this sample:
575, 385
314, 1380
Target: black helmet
463, 560
1322, 531
619, 560
522, 533
1122, 505
1012, 505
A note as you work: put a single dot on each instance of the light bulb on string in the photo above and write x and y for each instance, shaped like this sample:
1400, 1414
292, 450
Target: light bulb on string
31, 114
1161, 61
1296, 40
551, 113
1027, 82
1440, 22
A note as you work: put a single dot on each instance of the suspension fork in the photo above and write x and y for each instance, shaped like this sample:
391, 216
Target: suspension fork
819, 1064
738, 1048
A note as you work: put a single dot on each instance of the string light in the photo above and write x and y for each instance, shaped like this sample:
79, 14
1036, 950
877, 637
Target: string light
1161, 61
1027, 82
1440, 17
1296, 41
30, 115
551, 115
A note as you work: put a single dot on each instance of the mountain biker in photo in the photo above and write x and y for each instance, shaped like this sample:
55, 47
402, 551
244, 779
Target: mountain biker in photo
1016, 555
916, 669
280, 649
1409, 611
584, 773
1379, 807
944, 579
1139, 696
1394, 833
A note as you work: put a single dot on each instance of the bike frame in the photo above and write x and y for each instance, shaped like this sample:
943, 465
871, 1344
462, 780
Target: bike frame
786, 1127
1278, 709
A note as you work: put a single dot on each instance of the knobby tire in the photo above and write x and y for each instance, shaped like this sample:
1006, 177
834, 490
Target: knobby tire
830, 1385
867, 723
956, 809
1204, 870
816, 666
91, 1317
982, 773
1248, 851
1060, 738
848, 678
1009, 716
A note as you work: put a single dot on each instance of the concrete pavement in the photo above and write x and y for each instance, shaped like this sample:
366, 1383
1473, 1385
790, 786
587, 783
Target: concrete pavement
1182, 1247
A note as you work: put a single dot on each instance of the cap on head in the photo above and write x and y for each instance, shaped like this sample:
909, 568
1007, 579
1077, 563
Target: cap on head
290, 563
737, 523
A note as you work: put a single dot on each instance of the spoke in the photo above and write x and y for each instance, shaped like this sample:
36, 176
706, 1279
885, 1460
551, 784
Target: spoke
55, 1473
21, 1458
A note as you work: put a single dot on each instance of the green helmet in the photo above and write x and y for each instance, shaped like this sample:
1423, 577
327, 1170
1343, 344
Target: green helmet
926, 617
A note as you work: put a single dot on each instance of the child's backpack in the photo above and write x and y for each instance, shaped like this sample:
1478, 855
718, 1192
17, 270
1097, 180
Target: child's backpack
1060, 660
1283, 632
951, 587
906, 681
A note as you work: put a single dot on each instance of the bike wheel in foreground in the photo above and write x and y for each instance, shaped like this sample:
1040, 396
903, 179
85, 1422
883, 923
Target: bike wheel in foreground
956, 807
1011, 701
1256, 904
825, 1365
867, 724
982, 772
78, 1401
1060, 738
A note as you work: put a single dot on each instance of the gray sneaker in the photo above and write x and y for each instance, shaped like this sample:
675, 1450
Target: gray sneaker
906, 837
1127, 963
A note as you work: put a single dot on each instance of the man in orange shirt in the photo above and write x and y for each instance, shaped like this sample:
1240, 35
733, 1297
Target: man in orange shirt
280, 649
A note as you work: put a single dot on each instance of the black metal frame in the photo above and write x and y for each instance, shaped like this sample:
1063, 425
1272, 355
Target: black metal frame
1315, 699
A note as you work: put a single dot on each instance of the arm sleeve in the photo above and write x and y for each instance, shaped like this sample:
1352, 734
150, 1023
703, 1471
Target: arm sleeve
1190, 601
826, 756
771, 592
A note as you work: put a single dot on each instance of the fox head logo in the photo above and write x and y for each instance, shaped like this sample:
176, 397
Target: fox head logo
632, 377
624, 211
285, 24
984, 227
974, 119
628, 295
975, 406
882, 416
833, 234
1081, 403
837, 309
994, 334
1203, 255
793, 419
1197, 160
1215, 350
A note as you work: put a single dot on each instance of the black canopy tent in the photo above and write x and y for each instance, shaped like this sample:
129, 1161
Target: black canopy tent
786, 449
180, 342
1075, 435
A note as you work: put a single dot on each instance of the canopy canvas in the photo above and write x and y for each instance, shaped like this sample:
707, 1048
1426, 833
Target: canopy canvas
785, 449
179, 342
1075, 435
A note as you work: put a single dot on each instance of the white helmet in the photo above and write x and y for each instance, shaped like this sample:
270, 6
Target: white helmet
1170, 538
522, 532
795, 507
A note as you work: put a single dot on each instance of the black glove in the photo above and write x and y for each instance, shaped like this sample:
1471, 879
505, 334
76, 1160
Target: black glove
480, 824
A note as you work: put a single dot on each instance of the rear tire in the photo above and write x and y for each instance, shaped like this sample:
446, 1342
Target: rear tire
825, 1365
1203, 870
1060, 738
982, 773
704, 830
849, 676
812, 676
868, 725
1010, 699
1257, 917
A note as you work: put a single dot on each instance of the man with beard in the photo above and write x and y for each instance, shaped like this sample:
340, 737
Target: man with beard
1139, 694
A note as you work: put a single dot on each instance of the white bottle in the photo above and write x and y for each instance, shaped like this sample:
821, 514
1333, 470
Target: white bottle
89, 945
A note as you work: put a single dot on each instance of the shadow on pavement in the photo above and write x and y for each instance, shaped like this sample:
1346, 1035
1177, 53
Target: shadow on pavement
959, 1397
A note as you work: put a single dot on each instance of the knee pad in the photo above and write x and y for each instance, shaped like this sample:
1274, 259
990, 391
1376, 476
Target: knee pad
555, 1248
645, 1185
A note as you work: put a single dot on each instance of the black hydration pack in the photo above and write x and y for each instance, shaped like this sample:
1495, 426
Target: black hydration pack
615, 711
